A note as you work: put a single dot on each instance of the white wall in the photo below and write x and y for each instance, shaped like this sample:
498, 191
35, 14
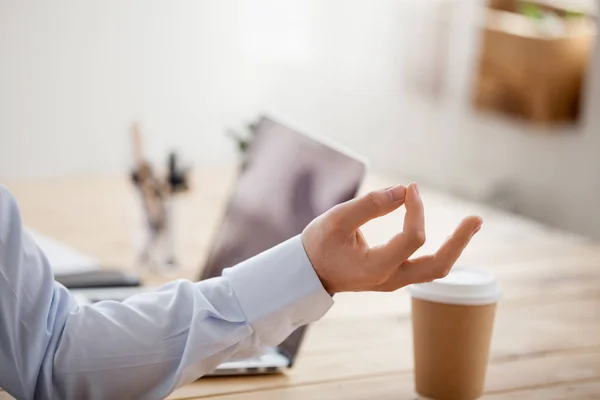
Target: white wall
73, 75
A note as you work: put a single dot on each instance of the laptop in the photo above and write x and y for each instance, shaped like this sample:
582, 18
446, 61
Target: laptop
287, 179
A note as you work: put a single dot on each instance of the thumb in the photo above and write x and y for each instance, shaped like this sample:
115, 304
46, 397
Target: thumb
357, 212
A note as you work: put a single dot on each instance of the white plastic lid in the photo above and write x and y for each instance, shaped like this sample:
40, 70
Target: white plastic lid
463, 286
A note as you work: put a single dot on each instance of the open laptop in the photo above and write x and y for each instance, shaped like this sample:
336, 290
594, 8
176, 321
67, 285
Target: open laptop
287, 180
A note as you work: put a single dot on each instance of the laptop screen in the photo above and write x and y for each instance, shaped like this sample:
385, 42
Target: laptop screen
287, 180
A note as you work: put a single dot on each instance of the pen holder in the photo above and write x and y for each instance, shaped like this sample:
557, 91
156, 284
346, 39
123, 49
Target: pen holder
154, 241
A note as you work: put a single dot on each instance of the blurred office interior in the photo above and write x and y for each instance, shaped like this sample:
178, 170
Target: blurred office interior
423, 89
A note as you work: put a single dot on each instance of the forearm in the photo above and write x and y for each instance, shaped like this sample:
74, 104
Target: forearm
176, 334
148, 345
151, 343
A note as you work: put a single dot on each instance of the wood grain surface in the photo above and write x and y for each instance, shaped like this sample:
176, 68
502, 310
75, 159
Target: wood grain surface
546, 340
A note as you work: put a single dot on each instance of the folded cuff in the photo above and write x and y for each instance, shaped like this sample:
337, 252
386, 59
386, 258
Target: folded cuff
279, 291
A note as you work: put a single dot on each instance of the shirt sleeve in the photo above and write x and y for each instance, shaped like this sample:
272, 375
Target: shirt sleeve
152, 343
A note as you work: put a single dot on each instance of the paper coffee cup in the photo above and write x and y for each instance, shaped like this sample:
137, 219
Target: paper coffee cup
453, 319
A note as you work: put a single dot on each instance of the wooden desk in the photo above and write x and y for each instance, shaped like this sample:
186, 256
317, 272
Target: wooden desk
546, 342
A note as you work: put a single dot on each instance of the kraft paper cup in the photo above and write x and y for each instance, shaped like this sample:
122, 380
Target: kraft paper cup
453, 319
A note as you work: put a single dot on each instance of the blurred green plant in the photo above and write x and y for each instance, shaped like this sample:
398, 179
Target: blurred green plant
571, 14
537, 13
530, 10
242, 141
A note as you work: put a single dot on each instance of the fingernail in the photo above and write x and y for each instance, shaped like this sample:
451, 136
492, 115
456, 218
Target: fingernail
396, 193
417, 188
477, 229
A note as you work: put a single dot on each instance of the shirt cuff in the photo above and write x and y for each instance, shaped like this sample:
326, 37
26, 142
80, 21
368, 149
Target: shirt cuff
279, 291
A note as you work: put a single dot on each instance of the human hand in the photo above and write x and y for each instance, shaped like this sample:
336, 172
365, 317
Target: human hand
344, 261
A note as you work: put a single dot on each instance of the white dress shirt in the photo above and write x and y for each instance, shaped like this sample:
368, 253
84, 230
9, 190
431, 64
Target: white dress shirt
152, 343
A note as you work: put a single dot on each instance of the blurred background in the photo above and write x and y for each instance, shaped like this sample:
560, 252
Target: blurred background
489, 101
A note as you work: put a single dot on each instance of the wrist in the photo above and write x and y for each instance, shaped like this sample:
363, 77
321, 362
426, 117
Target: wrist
320, 271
